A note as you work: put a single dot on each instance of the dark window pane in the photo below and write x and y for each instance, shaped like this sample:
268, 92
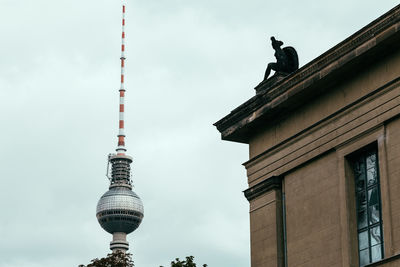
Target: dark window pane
373, 196
376, 253
360, 183
375, 235
363, 240
371, 176
361, 200
359, 166
364, 257
359, 173
362, 219
374, 215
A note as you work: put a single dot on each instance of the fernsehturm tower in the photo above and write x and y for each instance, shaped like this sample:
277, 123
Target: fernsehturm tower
120, 210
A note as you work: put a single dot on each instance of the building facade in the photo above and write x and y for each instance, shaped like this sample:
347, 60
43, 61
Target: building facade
324, 162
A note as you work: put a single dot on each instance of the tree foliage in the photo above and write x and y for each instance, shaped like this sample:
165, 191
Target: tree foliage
120, 259
116, 259
189, 262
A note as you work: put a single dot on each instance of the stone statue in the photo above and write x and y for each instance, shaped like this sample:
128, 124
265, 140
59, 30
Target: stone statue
287, 60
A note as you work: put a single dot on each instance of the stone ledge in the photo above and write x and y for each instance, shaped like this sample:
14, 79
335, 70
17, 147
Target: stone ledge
274, 182
385, 261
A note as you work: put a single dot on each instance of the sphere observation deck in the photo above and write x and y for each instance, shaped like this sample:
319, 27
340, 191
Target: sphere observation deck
120, 210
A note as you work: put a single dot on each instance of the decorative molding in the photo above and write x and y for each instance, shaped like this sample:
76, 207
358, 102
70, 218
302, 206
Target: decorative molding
274, 182
338, 115
270, 82
357, 119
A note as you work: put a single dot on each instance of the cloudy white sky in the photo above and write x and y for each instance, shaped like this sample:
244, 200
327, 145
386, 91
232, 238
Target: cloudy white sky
189, 63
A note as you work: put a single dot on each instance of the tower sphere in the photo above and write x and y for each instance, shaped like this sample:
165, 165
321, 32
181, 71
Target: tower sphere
120, 210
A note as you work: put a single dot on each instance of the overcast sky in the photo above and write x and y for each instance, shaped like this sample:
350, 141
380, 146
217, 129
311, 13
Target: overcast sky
189, 63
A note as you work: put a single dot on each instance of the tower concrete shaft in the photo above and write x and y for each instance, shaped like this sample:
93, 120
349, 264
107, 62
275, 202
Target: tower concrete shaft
119, 242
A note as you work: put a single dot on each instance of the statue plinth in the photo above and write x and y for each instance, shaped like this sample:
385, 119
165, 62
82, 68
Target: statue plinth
270, 82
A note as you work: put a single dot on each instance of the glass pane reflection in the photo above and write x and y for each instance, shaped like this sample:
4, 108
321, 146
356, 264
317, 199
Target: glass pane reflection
373, 196
376, 253
374, 216
371, 159
364, 257
363, 240
375, 235
371, 176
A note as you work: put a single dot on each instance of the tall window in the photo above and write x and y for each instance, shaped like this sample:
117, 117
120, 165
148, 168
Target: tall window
368, 204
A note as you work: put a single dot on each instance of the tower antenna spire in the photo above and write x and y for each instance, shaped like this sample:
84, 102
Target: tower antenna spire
120, 210
121, 134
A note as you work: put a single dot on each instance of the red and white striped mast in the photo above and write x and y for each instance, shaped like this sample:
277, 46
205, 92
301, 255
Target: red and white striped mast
120, 210
121, 135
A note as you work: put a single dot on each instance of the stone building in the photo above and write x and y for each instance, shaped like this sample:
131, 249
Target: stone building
324, 156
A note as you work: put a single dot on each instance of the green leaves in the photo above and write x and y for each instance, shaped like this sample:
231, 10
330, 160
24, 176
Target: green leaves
120, 259
116, 259
189, 262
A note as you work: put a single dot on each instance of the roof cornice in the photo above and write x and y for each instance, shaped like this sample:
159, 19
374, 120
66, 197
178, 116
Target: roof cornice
235, 126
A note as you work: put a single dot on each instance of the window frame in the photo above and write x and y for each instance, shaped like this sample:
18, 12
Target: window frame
358, 156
